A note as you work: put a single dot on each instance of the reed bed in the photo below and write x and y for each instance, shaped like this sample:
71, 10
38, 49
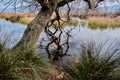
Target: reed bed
24, 17
8, 14
103, 22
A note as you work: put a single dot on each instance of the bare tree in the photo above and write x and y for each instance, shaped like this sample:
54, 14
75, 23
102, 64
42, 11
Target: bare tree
34, 29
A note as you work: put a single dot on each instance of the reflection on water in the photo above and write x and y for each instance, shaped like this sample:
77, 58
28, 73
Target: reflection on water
14, 32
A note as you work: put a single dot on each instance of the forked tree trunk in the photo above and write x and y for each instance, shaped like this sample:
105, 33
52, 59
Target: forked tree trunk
34, 29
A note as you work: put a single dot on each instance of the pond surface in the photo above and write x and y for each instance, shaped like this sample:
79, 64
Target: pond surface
12, 33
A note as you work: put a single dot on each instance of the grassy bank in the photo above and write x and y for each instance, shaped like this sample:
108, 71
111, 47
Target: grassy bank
90, 65
93, 65
19, 17
96, 19
22, 65
24, 14
27, 17
102, 22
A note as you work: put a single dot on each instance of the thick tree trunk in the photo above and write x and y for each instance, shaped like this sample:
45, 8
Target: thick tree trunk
34, 29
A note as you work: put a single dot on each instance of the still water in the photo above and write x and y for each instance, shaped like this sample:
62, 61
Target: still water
11, 33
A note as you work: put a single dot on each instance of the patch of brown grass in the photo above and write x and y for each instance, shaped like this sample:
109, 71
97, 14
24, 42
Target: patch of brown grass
26, 17
103, 22
26, 14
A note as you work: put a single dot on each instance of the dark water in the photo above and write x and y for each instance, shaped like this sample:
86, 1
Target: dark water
12, 32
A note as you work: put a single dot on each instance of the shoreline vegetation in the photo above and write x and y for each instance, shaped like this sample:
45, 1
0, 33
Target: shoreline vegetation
27, 17
104, 22
94, 20
90, 65
101, 22
19, 17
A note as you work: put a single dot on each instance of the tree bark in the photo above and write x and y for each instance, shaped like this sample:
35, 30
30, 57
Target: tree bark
34, 29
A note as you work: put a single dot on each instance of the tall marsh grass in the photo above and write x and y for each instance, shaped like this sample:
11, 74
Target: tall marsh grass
91, 65
103, 22
22, 65
20, 17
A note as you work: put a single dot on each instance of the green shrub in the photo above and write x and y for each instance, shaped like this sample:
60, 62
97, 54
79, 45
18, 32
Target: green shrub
91, 65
